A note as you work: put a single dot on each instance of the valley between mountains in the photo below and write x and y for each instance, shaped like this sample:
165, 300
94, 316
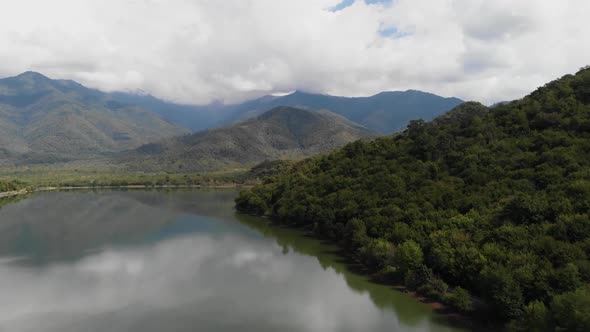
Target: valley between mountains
51, 122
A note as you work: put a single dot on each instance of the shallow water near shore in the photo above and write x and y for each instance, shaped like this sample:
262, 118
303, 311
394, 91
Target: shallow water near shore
179, 260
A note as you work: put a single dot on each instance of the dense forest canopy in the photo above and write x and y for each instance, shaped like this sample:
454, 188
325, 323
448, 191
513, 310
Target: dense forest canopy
486, 209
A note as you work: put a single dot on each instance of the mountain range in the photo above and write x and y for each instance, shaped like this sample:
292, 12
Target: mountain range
44, 120
385, 113
281, 133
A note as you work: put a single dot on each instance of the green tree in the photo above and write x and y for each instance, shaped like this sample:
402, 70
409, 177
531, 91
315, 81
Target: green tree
408, 256
536, 318
571, 311
376, 253
503, 292
355, 234
460, 299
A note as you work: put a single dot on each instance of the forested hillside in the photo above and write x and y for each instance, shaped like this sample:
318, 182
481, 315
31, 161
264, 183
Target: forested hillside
281, 133
492, 203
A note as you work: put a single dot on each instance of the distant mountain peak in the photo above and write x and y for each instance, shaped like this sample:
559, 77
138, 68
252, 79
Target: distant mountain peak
32, 75
288, 114
302, 93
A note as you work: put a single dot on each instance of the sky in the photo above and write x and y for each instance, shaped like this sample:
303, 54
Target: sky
197, 51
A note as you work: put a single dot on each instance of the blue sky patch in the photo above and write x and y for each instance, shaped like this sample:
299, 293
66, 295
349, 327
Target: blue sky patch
342, 5
347, 3
370, 2
392, 32
389, 32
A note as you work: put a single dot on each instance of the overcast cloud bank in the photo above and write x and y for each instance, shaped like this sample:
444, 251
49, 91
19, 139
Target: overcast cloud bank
204, 51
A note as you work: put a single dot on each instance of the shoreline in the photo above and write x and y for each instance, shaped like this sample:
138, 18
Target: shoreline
139, 187
453, 316
14, 193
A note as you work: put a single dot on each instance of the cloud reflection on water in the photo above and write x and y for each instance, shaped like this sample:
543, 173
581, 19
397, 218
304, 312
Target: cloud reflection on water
201, 270
184, 284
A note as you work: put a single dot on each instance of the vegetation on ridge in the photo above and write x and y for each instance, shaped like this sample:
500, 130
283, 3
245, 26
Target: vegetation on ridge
486, 209
280, 133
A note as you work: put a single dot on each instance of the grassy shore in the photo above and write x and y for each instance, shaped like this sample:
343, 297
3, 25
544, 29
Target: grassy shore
53, 178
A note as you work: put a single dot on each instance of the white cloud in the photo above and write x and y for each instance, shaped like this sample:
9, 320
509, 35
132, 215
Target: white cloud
200, 51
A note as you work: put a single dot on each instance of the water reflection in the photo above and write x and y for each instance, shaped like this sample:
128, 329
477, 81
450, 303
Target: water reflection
62, 225
165, 265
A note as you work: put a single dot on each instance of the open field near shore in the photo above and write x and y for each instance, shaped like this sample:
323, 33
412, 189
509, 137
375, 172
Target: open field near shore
88, 176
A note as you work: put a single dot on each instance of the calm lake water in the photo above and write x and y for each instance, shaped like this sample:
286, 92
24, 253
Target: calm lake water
179, 261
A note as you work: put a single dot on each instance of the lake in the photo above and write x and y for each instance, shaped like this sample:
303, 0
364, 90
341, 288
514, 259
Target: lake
179, 260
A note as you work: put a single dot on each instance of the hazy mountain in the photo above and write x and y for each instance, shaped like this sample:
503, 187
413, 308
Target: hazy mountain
193, 117
198, 117
281, 133
385, 112
45, 120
